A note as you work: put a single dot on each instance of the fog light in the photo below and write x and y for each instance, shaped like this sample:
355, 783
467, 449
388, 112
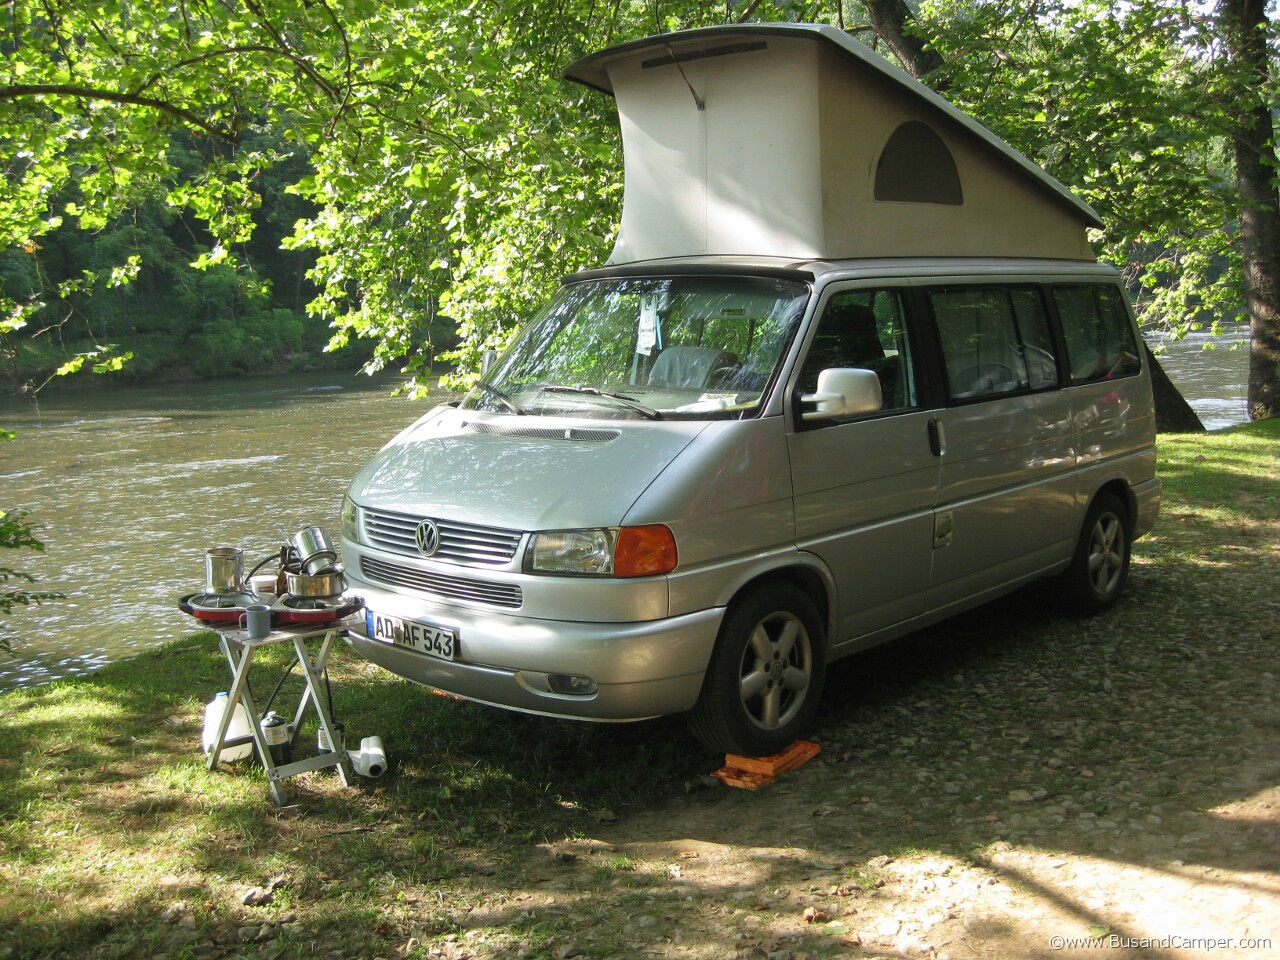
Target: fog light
571, 686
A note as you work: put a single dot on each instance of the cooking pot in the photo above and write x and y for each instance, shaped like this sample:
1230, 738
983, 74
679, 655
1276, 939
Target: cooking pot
315, 550
223, 570
316, 584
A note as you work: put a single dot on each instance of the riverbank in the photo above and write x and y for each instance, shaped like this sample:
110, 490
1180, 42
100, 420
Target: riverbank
984, 787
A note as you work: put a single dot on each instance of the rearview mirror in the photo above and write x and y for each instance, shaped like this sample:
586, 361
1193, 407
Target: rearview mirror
843, 392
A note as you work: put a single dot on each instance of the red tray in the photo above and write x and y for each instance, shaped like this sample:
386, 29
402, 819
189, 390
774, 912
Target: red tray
282, 614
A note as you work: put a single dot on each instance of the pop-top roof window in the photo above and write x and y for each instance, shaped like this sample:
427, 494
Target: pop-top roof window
916, 167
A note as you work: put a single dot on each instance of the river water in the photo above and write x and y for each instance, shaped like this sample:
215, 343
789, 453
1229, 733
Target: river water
130, 486
1214, 381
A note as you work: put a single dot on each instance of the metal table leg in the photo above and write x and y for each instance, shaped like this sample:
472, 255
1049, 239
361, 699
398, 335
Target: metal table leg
239, 654
312, 671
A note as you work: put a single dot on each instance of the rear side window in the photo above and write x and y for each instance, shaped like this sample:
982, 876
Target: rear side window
1098, 335
995, 341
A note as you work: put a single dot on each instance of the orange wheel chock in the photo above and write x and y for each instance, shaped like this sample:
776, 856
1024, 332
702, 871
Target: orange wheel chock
755, 772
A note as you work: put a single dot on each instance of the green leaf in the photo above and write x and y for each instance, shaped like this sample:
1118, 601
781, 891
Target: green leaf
113, 364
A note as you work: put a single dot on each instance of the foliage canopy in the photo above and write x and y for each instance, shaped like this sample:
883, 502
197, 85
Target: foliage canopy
443, 177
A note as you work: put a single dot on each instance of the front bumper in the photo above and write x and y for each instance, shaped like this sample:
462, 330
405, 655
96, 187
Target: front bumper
642, 669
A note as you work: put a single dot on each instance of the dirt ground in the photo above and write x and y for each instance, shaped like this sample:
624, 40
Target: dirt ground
1178, 884
788, 875
1011, 784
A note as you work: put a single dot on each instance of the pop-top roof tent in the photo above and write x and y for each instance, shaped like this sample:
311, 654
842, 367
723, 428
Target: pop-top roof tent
795, 140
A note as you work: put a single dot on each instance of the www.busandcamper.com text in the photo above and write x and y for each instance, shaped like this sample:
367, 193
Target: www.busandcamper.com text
1116, 941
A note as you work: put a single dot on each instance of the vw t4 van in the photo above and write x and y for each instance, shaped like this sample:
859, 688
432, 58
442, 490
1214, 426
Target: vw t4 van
850, 369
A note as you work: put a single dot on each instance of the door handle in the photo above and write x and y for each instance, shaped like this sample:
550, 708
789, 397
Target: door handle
937, 442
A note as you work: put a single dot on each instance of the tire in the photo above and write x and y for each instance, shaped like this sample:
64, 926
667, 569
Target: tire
1100, 566
765, 677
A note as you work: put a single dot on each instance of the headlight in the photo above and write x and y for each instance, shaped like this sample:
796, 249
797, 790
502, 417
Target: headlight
584, 553
603, 552
350, 520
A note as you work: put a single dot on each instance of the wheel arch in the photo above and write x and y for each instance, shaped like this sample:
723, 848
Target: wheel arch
1119, 488
804, 571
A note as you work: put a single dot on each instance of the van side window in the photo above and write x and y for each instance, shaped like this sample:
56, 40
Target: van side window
995, 340
1037, 343
865, 329
1095, 325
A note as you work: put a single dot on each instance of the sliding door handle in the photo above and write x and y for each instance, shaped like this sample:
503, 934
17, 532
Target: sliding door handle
937, 441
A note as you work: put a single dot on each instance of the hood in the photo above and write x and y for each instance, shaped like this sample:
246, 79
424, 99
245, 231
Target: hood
520, 473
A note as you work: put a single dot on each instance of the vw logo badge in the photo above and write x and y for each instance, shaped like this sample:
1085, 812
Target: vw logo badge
428, 538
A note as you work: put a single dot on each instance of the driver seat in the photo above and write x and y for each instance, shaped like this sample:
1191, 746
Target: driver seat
688, 366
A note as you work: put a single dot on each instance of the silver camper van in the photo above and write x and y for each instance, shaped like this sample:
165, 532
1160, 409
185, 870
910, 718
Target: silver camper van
728, 457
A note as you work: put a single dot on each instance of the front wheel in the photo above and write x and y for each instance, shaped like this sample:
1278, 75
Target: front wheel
765, 676
1101, 563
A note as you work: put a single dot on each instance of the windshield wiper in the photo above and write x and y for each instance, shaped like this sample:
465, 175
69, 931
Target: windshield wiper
507, 403
629, 402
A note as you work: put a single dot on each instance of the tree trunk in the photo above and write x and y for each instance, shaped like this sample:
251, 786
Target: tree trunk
299, 276
1244, 28
891, 20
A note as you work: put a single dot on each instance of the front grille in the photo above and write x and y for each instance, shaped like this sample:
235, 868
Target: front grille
445, 586
459, 542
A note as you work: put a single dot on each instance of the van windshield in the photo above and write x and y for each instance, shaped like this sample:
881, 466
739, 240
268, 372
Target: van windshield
661, 348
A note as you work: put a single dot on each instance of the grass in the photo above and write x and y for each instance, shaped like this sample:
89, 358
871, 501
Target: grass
108, 816
116, 842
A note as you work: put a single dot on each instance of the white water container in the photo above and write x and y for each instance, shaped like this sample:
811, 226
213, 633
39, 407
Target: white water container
239, 727
371, 759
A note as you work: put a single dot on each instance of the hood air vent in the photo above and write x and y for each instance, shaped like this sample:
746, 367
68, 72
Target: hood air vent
543, 433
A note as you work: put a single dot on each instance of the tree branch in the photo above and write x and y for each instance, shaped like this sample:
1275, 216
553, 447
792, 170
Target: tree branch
283, 46
19, 91
894, 22
228, 52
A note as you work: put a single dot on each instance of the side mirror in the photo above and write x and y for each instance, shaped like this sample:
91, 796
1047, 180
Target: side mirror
843, 392
487, 360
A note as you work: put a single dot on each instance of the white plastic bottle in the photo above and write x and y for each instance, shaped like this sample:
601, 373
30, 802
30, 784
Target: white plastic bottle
239, 727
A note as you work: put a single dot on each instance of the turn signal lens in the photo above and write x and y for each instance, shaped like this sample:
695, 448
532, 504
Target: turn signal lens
644, 551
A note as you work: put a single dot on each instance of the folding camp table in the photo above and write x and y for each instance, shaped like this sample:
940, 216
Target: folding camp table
239, 651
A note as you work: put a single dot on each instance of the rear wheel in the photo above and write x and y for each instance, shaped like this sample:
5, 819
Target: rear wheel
765, 676
1101, 564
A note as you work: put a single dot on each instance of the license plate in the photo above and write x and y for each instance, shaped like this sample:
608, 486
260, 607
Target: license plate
427, 638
